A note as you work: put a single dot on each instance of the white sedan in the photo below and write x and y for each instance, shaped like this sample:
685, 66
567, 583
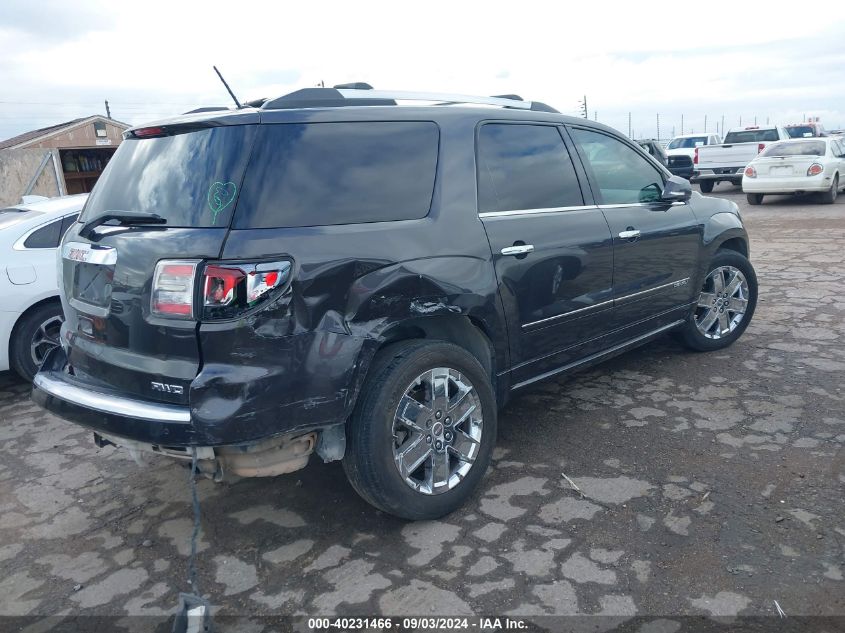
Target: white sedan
806, 165
31, 313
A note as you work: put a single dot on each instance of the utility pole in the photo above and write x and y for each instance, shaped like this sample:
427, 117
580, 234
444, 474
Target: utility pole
658, 126
740, 120
755, 119
723, 126
582, 106
682, 125
595, 116
705, 124
629, 126
108, 111
767, 120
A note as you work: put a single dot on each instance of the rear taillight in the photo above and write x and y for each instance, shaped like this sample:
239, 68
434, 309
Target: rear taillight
148, 132
695, 157
173, 289
760, 147
815, 169
230, 289
750, 172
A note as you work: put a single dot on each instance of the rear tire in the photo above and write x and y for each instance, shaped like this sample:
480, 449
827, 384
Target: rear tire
379, 442
706, 186
716, 323
754, 198
829, 196
35, 334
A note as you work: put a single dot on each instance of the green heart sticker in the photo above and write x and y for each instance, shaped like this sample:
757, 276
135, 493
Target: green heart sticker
220, 196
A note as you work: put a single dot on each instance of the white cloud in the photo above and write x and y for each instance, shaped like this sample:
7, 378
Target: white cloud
154, 58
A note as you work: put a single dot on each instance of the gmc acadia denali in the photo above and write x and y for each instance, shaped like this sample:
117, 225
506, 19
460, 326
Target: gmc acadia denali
331, 272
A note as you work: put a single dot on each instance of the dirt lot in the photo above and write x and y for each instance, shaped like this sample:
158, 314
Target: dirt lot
713, 485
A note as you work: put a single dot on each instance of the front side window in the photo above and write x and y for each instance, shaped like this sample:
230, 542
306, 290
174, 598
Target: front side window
622, 175
524, 167
319, 174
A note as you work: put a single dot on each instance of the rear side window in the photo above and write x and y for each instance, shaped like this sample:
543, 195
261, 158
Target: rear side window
45, 237
524, 167
191, 179
317, 174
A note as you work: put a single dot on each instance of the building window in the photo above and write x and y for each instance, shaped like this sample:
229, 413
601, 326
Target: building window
100, 129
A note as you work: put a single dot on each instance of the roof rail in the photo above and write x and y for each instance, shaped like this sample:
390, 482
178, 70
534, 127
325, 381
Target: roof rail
503, 102
342, 96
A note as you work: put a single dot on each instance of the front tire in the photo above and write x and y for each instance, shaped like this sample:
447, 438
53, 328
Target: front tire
829, 196
35, 334
725, 305
706, 186
423, 430
754, 198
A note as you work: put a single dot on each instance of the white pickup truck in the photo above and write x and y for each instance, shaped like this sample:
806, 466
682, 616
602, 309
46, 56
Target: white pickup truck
726, 162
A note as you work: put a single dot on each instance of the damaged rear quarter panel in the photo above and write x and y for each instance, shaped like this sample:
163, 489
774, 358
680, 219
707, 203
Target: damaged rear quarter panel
299, 363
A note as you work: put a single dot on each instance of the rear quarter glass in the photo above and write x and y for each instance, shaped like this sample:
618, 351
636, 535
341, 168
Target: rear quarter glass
318, 174
191, 179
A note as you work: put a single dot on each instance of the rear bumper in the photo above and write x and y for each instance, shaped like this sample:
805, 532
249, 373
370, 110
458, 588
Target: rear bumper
110, 413
793, 184
722, 173
210, 420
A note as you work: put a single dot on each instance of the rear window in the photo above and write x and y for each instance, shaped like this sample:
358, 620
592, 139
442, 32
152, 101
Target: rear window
800, 131
807, 148
191, 179
317, 174
752, 136
688, 142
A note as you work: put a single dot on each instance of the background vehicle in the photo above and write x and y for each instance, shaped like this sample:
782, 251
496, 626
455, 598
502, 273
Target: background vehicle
726, 162
797, 166
369, 282
805, 130
31, 314
655, 149
681, 150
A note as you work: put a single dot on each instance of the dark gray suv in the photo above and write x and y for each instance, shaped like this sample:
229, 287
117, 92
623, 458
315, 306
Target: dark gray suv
330, 272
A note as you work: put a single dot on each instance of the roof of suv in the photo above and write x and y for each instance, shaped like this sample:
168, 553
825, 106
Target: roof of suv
329, 104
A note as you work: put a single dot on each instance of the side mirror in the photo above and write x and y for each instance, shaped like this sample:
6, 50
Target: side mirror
676, 189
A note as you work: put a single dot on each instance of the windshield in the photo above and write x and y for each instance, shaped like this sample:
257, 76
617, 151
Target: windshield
751, 136
688, 142
807, 148
190, 179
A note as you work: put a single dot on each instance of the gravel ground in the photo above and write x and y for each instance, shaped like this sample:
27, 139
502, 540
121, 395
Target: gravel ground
712, 486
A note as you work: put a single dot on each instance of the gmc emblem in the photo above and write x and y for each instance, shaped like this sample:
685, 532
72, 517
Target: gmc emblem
78, 254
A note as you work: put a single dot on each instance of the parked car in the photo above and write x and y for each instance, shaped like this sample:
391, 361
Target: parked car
681, 150
806, 130
332, 273
726, 162
32, 313
797, 166
655, 149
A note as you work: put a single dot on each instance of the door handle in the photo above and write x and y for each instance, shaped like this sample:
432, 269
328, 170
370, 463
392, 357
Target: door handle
630, 234
518, 249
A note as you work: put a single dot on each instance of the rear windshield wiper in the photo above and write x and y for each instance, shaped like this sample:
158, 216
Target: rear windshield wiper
124, 217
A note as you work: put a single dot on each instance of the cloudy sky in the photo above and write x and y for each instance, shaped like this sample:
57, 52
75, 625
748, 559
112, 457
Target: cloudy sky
60, 59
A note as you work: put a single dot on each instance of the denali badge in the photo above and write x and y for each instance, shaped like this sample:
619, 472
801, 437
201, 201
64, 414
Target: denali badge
174, 389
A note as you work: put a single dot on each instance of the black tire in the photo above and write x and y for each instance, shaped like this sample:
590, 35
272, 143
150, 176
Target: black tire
706, 186
24, 333
754, 198
689, 333
369, 461
829, 196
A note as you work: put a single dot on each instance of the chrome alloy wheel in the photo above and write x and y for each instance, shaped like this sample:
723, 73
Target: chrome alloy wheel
437, 431
722, 303
46, 338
